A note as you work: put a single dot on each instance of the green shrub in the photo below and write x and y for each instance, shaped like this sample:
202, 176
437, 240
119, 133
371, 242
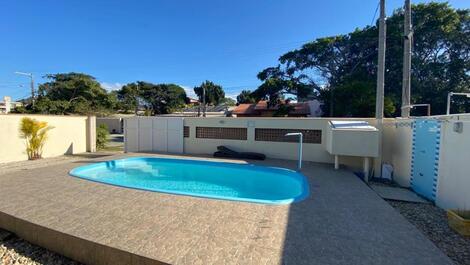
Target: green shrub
102, 134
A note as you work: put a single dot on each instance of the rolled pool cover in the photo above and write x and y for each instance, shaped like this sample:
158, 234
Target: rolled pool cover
224, 151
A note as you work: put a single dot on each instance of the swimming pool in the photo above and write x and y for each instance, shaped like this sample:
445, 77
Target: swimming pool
219, 180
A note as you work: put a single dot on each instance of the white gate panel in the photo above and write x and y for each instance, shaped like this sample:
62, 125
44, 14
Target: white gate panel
145, 135
153, 134
160, 128
131, 137
175, 136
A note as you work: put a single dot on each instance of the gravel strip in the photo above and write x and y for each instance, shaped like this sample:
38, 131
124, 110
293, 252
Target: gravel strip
432, 221
14, 250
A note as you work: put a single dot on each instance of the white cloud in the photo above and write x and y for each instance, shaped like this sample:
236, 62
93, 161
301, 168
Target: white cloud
189, 91
111, 86
232, 96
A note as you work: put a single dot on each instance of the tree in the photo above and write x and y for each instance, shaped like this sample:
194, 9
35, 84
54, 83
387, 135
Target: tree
129, 96
162, 98
283, 109
214, 94
73, 93
246, 97
341, 70
48, 106
228, 102
278, 83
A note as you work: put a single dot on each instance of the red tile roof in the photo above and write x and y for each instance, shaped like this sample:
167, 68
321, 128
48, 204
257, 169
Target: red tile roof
262, 105
301, 108
244, 109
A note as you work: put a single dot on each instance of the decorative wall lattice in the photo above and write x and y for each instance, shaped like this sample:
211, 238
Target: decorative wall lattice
278, 135
221, 133
186, 131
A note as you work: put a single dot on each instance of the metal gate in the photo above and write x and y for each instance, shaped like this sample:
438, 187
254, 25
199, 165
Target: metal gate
153, 134
425, 157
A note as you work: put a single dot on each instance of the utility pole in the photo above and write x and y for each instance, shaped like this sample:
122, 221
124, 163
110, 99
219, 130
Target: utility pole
406, 84
379, 102
379, 106
203, 101
32, 84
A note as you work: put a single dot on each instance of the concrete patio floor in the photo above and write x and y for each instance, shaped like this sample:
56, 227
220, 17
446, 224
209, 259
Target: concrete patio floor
342, 222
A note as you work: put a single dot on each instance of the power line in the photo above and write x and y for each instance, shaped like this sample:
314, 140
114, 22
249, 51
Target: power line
375, 13
12, 84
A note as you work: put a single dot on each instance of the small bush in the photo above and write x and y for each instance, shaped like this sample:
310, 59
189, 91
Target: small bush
102, 134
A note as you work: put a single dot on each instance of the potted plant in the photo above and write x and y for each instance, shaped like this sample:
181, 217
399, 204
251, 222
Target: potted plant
459, 220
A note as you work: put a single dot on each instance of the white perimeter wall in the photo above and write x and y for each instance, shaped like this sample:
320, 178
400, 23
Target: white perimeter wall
396, 147
281, 150
453, 187
69, 136
113, 124
454, 167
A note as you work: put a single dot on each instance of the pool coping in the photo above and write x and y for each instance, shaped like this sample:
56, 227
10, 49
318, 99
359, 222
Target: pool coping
90, 252
342, 224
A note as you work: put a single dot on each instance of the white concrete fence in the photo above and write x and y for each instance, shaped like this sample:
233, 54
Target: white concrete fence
203, 135
71, 135
453, 177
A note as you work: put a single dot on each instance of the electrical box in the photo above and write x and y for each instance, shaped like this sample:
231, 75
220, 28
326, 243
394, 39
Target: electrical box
352, 138
458, 127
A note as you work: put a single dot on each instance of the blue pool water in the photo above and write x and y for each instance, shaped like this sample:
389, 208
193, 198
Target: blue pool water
242, 182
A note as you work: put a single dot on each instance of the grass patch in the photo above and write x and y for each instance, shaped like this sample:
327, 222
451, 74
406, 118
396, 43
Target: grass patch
112, 149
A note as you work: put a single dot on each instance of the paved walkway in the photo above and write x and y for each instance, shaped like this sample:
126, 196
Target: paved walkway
342, 222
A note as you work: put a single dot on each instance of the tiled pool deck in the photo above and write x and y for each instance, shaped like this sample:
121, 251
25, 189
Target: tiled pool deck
342, 222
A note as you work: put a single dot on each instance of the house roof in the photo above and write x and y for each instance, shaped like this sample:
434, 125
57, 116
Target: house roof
244, 109
193, 100
301, 108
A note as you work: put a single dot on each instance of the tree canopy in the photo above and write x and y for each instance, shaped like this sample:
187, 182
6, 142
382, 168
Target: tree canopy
214, 93
162, 98
228, 101
129, 97
341, 70
245, 96
81, 94
156, 98
277, 83
73, 93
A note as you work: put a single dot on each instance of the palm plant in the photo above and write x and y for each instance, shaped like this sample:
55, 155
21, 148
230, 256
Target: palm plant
35, 134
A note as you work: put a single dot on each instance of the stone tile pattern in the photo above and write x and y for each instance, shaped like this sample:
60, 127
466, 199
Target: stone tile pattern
342, 222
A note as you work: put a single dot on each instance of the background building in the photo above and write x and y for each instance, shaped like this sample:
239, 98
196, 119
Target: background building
7, 105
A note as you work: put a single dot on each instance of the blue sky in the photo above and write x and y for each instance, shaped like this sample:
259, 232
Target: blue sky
181, 42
